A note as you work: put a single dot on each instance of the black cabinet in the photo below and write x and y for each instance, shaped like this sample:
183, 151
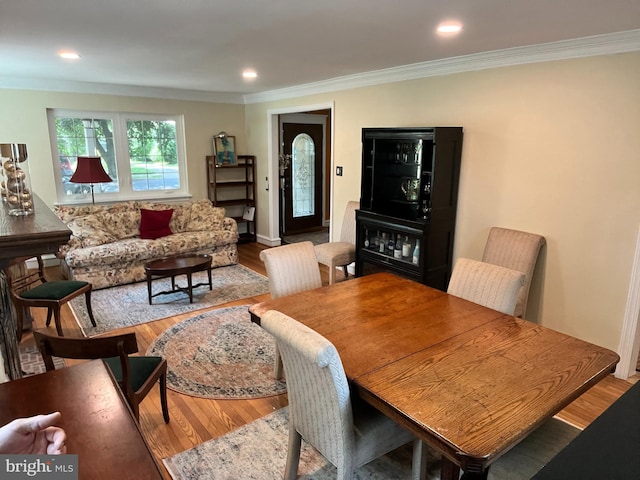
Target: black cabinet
408, 198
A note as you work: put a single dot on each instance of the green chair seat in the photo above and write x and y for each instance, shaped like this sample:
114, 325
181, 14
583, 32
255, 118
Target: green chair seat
53, 290
141, 368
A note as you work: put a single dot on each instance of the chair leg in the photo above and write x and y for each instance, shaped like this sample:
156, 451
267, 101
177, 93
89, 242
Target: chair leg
346, 271
163, 397
293, 454
332, 274
49, 315
87, 298
56, 316
419, 461
19, 321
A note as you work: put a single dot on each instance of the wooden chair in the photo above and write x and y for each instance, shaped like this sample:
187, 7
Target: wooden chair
136, 375
342, 253
486, 284
33, 290
515, 250
290, 269
347, 432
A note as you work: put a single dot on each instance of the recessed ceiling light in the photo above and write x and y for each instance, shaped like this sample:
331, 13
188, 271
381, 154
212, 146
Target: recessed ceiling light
250, 74
449, 28
68, 55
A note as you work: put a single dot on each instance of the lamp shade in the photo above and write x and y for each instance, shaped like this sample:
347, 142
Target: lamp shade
89, 170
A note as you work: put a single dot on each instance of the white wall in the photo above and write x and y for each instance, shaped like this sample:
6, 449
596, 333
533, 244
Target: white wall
551, 148
23, 119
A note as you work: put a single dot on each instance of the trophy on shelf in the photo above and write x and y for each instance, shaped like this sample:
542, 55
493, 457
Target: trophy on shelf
16, 191
410, 188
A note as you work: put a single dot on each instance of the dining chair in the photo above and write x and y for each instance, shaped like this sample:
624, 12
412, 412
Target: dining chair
291, 268
33, 290
515, 250
345, 430
136, 375
489, 285
342, 253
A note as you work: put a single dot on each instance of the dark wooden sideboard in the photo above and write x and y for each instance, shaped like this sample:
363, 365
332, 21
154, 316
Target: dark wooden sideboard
21, 238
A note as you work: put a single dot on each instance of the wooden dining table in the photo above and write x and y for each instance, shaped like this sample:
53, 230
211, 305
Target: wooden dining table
469, 381
99, 424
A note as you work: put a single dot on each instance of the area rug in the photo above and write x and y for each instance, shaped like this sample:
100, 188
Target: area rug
128, 305
219, 354
258, 451
32, 363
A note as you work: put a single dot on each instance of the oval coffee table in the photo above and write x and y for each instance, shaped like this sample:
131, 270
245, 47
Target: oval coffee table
179, 265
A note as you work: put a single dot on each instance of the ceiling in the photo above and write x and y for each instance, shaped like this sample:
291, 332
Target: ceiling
204, 45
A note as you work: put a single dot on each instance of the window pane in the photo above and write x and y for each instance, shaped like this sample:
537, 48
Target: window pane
85, 137
153, 155
303, 175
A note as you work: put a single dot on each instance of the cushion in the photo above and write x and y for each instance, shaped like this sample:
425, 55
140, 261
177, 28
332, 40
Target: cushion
141, 369
53, 290
155, 223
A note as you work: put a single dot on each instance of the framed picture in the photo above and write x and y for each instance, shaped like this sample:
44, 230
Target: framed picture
224, 148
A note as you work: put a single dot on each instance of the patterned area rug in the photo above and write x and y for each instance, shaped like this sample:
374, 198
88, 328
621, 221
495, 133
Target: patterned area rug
219, 354
258, 451
31, 361
128, 305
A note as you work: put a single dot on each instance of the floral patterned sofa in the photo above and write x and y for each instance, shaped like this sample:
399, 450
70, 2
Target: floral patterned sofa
106, 249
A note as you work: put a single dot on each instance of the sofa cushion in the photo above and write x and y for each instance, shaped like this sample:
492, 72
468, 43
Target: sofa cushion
190, 242
181, 213
155, 223
204, 216
123, 252
90, 231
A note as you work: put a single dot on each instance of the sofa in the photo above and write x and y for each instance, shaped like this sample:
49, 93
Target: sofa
110, 244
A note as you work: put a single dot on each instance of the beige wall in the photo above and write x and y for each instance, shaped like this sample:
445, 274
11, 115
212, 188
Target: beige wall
551, 148
23, 119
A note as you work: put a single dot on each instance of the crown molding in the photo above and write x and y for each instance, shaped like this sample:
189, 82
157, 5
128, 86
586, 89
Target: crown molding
607, 44
49, 85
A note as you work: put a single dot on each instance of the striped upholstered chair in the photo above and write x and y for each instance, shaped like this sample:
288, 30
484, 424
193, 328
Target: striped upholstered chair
489, 285
291, 268
346, 432
518, 251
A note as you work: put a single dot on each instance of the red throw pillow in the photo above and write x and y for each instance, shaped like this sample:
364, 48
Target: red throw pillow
155, 223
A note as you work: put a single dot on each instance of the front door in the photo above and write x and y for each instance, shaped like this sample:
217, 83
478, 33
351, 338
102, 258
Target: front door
302, 209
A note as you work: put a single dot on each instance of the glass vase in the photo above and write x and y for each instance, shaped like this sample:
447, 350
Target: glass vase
16, 182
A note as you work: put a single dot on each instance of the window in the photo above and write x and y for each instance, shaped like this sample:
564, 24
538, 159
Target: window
143, 154
303, 175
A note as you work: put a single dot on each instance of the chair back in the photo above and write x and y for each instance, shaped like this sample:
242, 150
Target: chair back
291, 268
317, 388
89, 348
489, 285
27, 279
348, 232
515, 250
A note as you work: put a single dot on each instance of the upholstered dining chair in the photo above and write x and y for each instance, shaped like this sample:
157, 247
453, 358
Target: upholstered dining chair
291, 268
136, 375
347, 432
518, 251
342, 253
489, 285
33, 290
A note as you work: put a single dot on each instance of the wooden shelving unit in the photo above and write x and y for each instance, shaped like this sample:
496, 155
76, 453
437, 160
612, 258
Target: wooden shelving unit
234, 188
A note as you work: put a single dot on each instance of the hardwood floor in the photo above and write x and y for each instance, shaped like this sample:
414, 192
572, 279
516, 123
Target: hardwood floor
195, 420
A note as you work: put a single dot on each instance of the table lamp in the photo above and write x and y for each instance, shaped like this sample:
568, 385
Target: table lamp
89, 170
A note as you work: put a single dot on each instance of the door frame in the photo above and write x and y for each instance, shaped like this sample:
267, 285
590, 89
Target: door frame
273, 144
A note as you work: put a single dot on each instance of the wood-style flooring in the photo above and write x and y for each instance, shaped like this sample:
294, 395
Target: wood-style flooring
196, 420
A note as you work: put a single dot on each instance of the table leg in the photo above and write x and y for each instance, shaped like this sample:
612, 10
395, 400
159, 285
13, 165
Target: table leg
190, 287
209, 274
449, 470
149, 287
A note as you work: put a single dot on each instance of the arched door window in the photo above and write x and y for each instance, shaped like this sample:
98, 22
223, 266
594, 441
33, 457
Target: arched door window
303, 167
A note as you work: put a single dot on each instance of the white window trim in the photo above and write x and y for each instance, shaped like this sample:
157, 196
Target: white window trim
121, 145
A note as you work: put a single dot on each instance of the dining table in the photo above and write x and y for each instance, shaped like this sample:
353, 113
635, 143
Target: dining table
101, 429
469, 381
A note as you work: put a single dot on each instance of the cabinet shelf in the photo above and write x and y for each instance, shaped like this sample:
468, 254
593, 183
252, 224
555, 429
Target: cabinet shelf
233, 187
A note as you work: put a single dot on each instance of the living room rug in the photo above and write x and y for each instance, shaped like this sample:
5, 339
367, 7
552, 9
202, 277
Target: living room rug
258, 451
128, 305
219, 354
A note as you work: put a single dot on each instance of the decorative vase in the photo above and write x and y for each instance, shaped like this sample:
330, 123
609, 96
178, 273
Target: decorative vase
16, 183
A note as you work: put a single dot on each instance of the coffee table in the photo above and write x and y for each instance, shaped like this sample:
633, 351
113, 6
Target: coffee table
174, 266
